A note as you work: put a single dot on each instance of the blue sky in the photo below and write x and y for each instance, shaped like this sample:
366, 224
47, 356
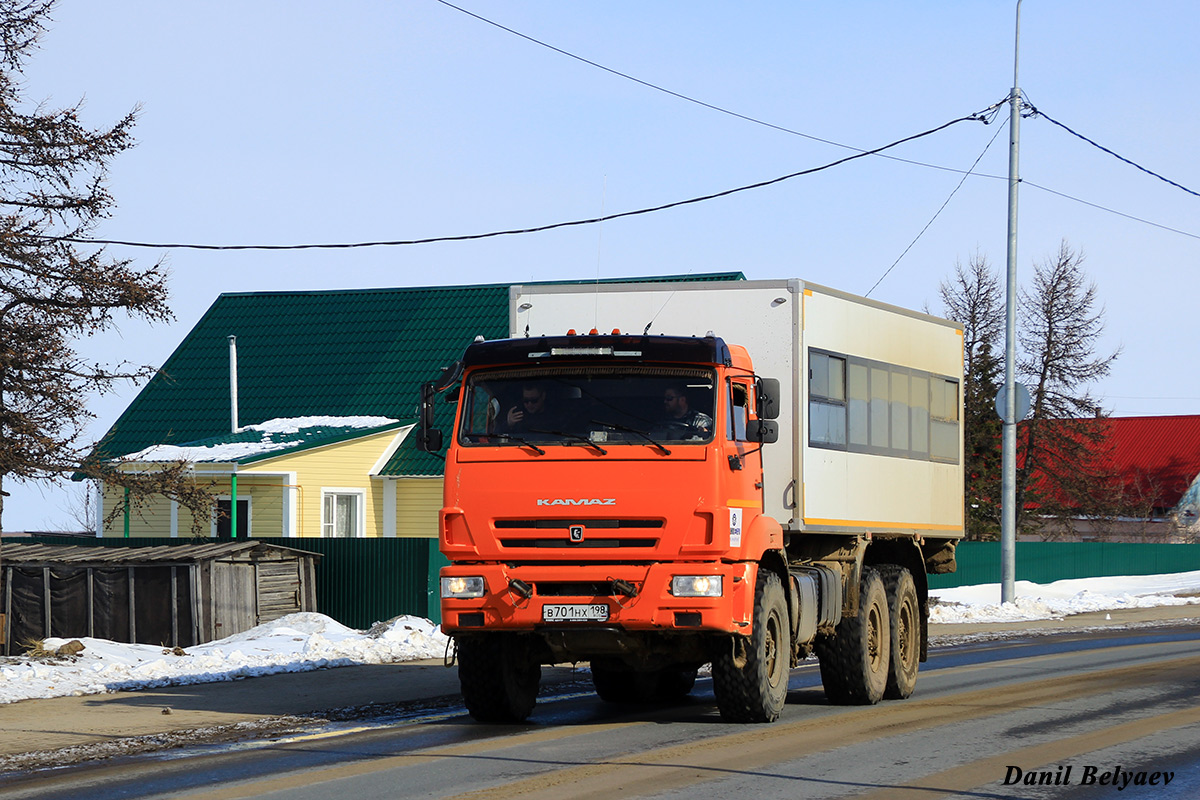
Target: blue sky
301, 122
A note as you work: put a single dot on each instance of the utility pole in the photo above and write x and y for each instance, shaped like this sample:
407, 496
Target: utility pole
1008, 462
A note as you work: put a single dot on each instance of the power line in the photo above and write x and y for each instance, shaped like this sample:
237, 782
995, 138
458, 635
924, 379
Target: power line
1038, 113
1134, 397
1033, 112
1025, 182
980, 117
694, 100
938, 213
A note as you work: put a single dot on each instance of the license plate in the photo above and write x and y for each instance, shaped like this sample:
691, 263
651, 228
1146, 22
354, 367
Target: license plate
575, 612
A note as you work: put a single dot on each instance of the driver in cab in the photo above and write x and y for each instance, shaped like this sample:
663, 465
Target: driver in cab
681, 415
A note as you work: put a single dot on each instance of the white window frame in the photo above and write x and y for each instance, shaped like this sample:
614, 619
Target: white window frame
249, 498
360, 511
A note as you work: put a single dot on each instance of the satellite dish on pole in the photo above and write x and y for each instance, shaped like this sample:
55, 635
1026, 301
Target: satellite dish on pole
1023, 402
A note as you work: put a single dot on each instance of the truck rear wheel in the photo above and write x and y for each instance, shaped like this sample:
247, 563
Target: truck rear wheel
855, 660
498, 677
905, 614
752, 686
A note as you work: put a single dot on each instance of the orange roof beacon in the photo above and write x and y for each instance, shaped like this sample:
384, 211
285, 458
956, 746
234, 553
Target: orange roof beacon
773, 474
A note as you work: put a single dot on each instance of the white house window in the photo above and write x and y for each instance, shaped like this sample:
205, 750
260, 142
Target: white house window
341, 513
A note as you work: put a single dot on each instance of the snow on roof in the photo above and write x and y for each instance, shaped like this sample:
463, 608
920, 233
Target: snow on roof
257, 440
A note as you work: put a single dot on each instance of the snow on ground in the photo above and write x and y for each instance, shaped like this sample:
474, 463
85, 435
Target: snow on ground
308, 641
1062, 598
295, 643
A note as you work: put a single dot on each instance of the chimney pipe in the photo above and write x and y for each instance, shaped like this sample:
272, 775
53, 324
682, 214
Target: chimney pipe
233, 384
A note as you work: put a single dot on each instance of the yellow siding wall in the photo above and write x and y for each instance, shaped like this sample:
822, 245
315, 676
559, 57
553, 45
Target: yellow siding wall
344, 465
152, 518
418, 501
266, 509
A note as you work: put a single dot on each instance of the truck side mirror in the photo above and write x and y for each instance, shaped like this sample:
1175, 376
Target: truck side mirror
429, 438
762, 430
768, 399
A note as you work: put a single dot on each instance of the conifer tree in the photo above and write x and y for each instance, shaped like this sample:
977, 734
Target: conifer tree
973, 297
1060, 442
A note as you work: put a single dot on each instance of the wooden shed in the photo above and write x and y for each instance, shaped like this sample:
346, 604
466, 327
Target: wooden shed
176, 595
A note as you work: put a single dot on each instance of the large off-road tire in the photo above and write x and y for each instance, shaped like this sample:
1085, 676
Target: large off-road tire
904, 612
752, 685
498, 676
625, 686
854, 661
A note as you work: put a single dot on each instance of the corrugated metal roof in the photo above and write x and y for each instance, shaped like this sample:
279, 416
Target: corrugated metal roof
1161, 454
1164, 449
84, 555
340, 353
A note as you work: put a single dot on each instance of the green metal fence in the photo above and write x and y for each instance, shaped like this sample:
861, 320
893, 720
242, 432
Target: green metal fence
363, 581
359, 581
1045, 562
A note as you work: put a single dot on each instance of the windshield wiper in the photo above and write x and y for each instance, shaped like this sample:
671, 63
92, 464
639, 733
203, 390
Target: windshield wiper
524, 442
574, 437
618, 426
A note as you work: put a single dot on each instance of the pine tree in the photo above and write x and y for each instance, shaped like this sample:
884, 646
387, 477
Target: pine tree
1060, 329
981, 442
1060, 441
972, 297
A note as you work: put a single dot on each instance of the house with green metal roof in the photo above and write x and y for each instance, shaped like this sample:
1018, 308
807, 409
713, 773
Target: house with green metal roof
294, 408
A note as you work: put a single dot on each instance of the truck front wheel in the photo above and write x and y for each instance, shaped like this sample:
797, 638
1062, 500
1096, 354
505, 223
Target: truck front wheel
498, 676
855, 660
752, 685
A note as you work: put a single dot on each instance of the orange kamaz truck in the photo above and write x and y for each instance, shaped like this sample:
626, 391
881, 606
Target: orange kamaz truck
735, 474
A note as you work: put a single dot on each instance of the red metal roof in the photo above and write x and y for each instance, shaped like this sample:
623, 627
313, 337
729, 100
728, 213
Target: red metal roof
1161, 451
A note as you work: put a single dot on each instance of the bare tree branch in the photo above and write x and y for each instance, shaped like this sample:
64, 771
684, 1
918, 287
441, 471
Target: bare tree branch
53, 171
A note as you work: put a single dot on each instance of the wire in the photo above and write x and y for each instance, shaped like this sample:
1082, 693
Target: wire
1134, 397
980, 117
1038, 113
1025, 182
688, 99
938, 213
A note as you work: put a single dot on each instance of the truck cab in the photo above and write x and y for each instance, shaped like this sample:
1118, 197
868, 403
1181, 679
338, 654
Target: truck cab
604, 502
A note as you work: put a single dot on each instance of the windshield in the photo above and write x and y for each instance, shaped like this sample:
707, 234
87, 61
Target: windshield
591, 406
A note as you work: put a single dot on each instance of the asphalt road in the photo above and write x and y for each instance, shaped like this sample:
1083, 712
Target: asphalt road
1101, 703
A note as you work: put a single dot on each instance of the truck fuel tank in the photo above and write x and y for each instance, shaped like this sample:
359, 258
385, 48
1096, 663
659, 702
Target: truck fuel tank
816, 599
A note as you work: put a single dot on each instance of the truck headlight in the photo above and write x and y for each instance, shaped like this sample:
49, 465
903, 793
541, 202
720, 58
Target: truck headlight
462, 586
696, 586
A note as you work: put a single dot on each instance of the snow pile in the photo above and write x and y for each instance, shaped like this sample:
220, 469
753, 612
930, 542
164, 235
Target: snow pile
1062, 598
295, 643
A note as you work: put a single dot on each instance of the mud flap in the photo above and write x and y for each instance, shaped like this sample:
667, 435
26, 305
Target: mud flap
739, 650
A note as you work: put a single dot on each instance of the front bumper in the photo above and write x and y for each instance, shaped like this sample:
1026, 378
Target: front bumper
653, 608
